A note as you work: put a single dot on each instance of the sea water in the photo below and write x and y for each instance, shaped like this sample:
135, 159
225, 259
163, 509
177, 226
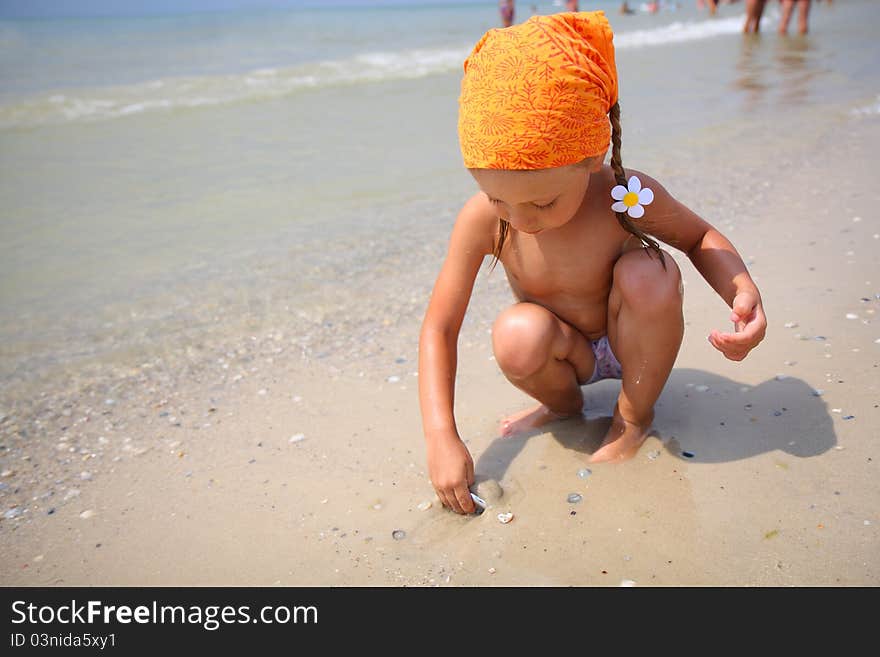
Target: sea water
173, 186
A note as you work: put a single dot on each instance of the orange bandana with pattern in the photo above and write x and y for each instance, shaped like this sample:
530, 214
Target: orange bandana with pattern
537, 95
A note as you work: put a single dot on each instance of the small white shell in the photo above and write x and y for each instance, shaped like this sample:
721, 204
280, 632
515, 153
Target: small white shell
505, 518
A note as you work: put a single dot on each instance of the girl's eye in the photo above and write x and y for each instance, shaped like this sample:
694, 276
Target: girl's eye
494, 201
545, 207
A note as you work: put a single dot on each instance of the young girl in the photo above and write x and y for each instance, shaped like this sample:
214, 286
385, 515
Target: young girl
598, 298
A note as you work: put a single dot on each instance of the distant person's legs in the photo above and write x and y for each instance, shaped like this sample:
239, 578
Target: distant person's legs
754, 9
787, 7
803, 15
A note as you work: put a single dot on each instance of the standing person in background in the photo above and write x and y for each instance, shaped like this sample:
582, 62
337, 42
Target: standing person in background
803, 15
507, 11
754, 9
571, 5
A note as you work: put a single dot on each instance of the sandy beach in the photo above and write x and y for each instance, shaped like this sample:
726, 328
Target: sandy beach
259, 424
301, 472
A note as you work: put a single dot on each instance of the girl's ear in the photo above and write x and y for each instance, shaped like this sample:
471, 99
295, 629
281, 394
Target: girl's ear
593, 164
596, 162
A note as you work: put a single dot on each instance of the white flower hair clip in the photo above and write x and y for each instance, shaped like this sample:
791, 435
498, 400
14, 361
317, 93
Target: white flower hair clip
632, 198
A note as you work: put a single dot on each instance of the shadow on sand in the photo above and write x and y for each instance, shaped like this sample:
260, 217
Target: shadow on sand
710, 417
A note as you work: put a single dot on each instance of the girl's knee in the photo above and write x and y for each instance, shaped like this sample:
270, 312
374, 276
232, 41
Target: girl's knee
522, 339
642, 281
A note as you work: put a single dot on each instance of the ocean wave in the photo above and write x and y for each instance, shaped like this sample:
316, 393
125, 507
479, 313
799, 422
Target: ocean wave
262, 84
867, 109
172, 93
679, 32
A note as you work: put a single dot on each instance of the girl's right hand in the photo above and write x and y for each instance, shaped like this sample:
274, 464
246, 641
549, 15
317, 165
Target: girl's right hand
451, 469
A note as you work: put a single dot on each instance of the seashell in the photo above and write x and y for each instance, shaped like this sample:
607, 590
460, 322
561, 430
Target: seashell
479, 504
398, 534
505, 518
574, 498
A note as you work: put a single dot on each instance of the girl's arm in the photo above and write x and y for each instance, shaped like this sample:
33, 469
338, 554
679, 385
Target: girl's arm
450, 465
717, 261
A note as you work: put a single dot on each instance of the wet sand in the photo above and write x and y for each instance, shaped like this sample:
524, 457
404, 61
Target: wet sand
290, 466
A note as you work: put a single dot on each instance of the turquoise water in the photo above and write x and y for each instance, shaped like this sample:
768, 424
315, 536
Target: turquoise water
170, 179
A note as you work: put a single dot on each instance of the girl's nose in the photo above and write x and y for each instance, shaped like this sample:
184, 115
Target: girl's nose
519, 219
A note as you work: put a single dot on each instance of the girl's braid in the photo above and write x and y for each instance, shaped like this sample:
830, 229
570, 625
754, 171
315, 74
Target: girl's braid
620, 176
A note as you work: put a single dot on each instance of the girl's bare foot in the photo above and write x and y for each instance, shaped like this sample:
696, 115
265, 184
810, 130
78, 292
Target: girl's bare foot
531, 418
622, 441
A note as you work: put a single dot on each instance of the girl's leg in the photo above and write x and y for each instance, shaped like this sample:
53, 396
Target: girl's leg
645, 329
787, 7
544, 357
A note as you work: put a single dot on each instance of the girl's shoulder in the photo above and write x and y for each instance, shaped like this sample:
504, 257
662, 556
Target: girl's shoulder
607, 177
478, 209
478, 215
604, 182
477, 223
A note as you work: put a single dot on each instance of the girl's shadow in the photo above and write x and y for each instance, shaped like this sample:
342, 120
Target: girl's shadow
700, 417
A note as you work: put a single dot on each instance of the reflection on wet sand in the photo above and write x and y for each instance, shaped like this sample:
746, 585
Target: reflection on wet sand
778, 71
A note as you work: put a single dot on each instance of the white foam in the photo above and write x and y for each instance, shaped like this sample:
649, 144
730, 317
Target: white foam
867, 109
679, 32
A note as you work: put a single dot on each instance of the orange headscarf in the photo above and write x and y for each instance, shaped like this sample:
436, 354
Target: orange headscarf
537, 95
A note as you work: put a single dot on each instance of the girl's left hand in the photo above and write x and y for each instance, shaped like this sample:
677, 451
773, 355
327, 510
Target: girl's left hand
749, 323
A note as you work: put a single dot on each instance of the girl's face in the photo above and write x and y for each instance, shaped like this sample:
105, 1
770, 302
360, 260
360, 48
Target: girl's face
535, 201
